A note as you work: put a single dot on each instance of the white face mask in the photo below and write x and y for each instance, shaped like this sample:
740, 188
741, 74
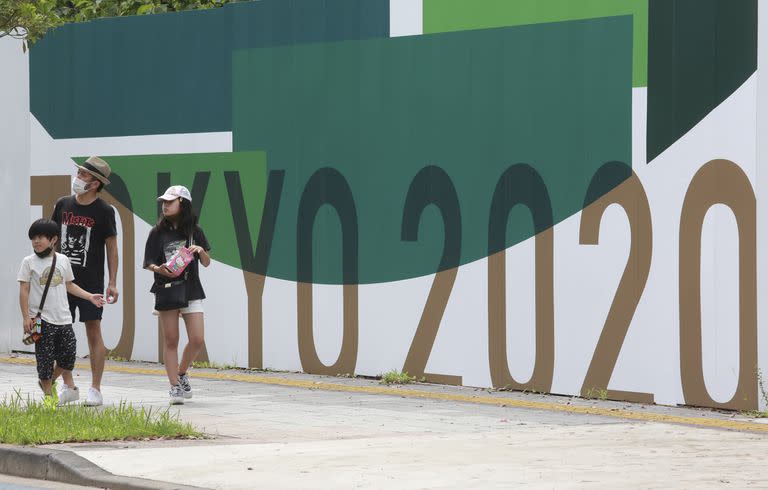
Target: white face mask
78, 186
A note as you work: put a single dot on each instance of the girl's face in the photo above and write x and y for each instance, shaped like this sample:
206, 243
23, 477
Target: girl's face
171, 208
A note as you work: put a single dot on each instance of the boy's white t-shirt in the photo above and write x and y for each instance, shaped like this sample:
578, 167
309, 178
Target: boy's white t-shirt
35, 270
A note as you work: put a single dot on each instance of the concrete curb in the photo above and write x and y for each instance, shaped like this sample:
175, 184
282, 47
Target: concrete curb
67, 467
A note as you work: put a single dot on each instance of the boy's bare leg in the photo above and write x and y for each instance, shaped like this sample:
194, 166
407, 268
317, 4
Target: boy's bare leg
45, 384
67, 377
57, 371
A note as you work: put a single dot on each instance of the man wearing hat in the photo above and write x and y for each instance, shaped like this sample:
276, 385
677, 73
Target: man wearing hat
88, 228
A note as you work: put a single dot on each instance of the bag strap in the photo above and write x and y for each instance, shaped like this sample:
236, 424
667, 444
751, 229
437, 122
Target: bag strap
47, 284
190, 242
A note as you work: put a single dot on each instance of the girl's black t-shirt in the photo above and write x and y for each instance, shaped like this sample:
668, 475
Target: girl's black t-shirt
163, 244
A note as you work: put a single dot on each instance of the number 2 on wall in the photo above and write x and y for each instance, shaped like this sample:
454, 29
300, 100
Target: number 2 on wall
631, 196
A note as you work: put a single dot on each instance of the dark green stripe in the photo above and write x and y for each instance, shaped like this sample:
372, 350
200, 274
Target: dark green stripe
700, 52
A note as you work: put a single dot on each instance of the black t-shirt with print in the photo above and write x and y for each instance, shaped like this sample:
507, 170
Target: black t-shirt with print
84, 230
162, 244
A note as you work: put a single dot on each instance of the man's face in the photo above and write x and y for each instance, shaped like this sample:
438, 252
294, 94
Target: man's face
91, 181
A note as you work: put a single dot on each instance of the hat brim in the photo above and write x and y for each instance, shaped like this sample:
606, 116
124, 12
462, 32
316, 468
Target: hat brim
100, 178
168, 197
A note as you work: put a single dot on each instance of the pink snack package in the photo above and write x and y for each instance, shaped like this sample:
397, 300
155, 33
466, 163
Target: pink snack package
180, 261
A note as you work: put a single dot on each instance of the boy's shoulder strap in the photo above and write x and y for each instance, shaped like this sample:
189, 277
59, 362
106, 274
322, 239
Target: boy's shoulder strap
47, 284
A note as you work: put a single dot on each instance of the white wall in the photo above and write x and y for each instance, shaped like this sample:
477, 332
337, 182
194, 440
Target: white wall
14, 172
586, 276
761, 186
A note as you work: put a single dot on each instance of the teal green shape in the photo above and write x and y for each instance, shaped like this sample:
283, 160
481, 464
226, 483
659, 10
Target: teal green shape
139, 173
556, 96
170, 73
455, 15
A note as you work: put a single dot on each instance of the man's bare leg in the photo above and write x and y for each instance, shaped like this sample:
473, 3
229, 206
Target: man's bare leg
98, 352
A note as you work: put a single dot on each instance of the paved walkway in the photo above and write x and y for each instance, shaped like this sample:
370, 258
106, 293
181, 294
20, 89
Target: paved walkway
286, 430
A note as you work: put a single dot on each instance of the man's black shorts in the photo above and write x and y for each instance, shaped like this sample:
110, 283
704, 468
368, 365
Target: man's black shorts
88, 311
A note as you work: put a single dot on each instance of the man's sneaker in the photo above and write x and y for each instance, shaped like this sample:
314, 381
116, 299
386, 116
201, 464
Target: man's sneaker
68, 394
185, 386
94, 398
177, 395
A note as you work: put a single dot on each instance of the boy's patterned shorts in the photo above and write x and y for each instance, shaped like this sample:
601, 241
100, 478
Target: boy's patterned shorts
56, 344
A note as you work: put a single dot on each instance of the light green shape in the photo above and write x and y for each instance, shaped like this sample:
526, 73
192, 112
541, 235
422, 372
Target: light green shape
459, 15
139, 172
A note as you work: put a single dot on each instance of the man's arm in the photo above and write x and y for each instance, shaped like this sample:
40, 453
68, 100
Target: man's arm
112, 263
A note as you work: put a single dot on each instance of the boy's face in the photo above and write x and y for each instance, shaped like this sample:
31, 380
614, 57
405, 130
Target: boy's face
41, 242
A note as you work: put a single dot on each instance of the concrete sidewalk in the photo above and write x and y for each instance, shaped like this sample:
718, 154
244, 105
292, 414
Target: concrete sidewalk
287, 430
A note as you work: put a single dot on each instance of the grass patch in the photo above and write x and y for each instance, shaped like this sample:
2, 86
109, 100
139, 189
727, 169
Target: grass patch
755, 414
213, 365
396, 377
28, 421
596, 394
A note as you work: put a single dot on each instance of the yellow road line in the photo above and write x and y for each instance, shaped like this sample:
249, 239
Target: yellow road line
714, 423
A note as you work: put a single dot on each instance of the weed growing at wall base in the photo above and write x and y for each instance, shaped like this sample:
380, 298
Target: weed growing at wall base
596, 394
28, 421
395, 377
763, 394
213, 365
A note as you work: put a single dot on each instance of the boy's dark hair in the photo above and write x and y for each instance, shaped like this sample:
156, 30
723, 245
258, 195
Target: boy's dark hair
186, 222
44, 227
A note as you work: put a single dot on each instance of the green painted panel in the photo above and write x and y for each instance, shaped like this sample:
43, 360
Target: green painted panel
455, 15
140, 176
554, 96
171, 73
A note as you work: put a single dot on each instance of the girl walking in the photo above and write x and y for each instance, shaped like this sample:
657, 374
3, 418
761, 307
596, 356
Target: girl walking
178, 293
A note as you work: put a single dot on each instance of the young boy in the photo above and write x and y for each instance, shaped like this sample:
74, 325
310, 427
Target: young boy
58, 340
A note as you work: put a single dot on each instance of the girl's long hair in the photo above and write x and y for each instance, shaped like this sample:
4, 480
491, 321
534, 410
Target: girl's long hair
186, 220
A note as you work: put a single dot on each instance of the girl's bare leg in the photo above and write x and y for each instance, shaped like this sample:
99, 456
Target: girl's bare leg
170, 323
195, 331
